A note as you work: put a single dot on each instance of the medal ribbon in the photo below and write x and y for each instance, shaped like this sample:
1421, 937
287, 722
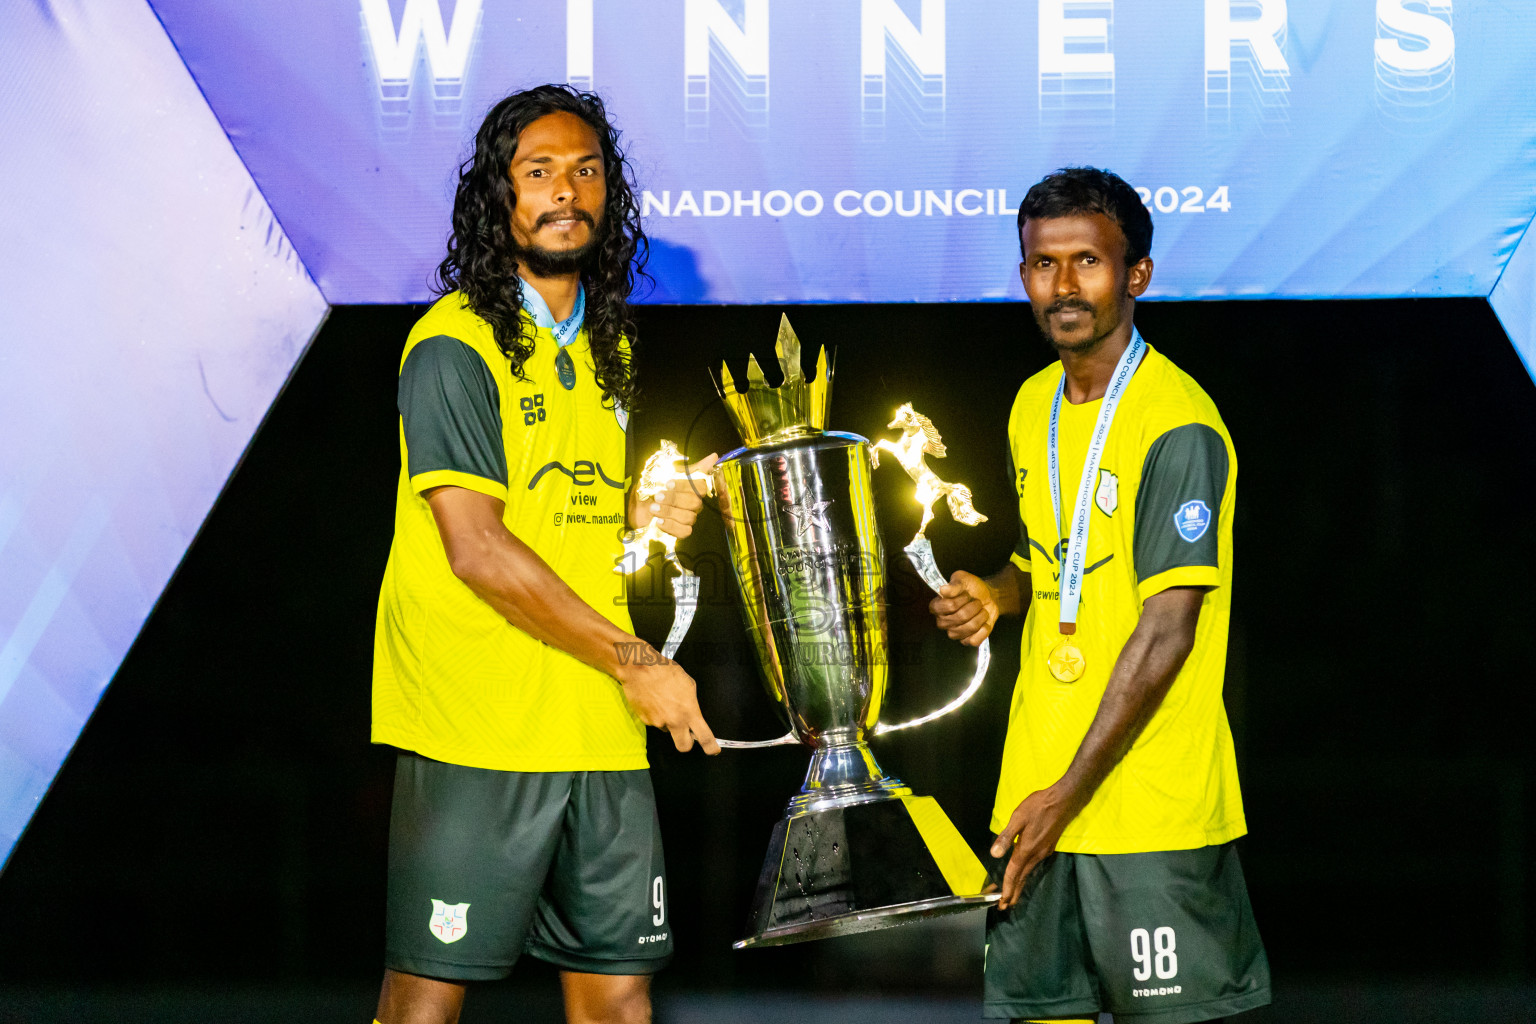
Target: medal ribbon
566, 330
1077, 541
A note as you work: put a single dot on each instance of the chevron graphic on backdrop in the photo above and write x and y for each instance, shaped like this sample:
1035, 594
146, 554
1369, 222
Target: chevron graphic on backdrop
130, 386
1514, 300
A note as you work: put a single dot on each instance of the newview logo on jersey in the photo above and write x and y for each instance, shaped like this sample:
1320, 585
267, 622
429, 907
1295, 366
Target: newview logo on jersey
729, 52
583, 473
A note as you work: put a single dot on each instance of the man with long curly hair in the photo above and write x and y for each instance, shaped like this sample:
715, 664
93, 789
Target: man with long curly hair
505, 669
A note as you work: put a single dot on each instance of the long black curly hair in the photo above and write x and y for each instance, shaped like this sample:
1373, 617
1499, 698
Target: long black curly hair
482, 254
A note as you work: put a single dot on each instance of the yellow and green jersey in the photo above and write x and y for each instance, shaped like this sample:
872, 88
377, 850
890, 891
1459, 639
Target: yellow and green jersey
452, 679
1162, 518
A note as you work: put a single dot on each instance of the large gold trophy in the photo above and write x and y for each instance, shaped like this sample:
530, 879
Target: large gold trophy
855, 850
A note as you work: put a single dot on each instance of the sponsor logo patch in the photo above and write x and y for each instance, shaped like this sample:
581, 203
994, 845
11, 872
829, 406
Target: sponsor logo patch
1192, 520
449, 921
584, 473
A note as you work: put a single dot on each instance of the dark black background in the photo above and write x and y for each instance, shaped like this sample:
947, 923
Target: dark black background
222, 819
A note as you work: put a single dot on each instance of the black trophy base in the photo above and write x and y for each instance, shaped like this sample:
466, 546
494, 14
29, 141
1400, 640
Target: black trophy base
862, 867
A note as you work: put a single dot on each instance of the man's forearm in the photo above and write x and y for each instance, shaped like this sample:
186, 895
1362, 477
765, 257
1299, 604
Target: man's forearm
1143, 674
1010, 589
510, 576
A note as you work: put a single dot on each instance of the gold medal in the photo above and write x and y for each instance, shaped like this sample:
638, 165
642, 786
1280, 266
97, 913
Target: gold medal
1066, 661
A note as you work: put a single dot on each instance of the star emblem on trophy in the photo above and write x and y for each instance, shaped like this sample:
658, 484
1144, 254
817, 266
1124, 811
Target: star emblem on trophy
810, 515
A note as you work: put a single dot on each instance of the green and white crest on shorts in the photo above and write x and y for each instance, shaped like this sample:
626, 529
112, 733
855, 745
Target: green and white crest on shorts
449, 921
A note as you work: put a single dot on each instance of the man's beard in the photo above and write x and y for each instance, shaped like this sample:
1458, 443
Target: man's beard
542, 262
1097, 332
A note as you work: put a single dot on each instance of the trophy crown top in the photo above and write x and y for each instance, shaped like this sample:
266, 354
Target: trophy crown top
764, 414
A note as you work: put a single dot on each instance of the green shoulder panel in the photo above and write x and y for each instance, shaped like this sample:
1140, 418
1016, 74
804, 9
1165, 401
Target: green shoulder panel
450, 409
1179, 500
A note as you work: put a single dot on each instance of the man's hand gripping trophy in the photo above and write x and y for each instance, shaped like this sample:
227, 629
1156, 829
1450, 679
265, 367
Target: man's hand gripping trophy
670, 493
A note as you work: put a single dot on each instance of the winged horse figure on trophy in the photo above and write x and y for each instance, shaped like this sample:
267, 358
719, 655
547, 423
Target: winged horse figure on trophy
660, 470
918, 438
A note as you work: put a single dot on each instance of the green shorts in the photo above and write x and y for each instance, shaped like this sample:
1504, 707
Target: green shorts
1165, 938
485, 865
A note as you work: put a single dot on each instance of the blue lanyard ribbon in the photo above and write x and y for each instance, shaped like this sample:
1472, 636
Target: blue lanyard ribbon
1077, 542
566, 330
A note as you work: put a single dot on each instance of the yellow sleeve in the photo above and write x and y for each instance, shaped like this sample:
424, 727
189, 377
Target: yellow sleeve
454, 478
1183, 576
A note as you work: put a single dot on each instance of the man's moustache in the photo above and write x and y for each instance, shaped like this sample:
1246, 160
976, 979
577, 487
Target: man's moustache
1062, 307
550, 218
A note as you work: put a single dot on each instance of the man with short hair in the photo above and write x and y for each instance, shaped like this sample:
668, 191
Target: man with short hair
504, 664
1118, 794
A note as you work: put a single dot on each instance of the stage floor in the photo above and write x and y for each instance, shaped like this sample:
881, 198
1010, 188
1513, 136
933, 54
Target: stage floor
1298, 1003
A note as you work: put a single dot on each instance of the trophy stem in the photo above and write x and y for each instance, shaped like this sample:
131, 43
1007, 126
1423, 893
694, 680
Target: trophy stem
844, 772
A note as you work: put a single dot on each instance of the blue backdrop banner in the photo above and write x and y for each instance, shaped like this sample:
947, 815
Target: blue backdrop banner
874, 150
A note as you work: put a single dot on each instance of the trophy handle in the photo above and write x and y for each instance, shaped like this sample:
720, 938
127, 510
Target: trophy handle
920, 554
685, 601
660, 470
685, 594
782, 741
